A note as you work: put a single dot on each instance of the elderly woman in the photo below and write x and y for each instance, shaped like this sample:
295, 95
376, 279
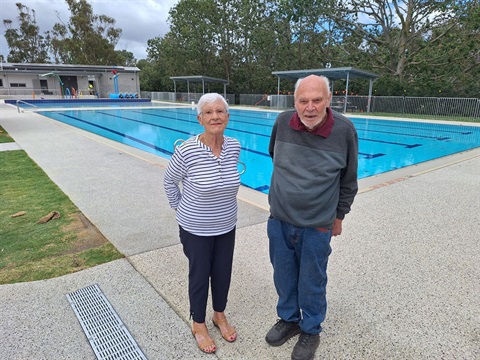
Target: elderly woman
206, 211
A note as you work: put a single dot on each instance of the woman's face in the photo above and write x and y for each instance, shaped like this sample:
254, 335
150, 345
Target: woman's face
214, 118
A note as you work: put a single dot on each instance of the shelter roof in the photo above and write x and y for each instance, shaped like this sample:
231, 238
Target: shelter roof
331, 73
200, 78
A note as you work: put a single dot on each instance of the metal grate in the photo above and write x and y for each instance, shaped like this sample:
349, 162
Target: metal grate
104, 329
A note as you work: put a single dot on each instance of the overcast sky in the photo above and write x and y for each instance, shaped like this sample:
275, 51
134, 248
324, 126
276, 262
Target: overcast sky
140, 20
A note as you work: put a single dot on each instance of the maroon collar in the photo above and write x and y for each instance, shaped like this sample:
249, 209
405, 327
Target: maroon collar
323, 130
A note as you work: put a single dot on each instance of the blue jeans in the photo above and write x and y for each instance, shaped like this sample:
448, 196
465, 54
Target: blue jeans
299, 258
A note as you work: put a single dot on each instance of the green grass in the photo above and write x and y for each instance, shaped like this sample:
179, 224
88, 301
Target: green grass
4, 137
31, 251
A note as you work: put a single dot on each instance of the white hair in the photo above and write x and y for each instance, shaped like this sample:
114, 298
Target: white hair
323, 78
210, 98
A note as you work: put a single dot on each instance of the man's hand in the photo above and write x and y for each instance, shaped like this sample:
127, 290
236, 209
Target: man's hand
337, 227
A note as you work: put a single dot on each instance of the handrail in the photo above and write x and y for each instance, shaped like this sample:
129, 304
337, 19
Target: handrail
24, 102
178, 142
244, 167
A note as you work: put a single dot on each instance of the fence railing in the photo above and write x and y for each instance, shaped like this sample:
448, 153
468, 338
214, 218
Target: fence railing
431, 106
178, 96
42, 93
436, 107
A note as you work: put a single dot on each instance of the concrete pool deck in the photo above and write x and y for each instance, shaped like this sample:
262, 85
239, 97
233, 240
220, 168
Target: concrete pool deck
403, 278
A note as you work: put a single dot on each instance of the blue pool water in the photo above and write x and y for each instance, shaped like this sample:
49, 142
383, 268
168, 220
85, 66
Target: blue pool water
80, 103
384, 145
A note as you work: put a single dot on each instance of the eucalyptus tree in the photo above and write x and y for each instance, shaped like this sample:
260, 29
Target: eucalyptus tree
26, 43
125, 58
254, 46
306, 33
193, 28
392, 29
87, 38
452, 68
206, 37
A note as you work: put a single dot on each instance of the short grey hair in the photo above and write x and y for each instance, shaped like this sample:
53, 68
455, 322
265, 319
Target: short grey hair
323, 78
210, 98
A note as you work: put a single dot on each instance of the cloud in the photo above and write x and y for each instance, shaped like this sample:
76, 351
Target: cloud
140, 20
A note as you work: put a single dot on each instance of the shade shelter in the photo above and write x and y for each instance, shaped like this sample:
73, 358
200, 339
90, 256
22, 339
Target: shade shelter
332, 74
199, 79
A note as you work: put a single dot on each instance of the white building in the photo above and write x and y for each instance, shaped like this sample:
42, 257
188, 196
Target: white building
56, 80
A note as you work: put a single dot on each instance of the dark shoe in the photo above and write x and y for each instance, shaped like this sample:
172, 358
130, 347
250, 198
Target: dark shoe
281, 332
305, 347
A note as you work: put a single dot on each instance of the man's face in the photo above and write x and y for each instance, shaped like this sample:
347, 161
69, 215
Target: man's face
311, 100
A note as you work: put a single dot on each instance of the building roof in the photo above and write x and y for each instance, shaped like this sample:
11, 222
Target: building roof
331, 73
64, 69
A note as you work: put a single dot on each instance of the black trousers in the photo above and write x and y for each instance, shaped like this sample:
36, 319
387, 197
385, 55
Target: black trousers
210, 261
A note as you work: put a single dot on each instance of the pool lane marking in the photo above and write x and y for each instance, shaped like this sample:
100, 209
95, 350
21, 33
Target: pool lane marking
367, 156
105, 141
232, 111
264, 187
410, 135
184, 132
450, 126
271, 124
121, 134
408, 146
193, 122
236, 116
144, 142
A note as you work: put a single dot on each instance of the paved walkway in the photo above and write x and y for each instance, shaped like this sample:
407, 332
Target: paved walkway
404, 277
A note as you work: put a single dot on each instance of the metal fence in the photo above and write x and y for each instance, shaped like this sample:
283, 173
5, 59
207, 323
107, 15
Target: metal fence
431, 106
467, 109
179, 96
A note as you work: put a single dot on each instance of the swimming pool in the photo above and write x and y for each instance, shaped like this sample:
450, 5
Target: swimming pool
384, 145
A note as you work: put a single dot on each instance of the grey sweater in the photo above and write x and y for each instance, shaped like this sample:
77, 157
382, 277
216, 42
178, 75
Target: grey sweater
314, 179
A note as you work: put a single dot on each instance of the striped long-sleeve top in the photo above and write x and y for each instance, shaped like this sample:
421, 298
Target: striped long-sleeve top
207, 203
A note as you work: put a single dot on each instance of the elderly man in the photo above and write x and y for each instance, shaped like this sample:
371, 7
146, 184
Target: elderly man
314, 181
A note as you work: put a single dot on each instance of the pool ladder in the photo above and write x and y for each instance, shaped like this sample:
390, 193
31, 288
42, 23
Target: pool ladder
179, 142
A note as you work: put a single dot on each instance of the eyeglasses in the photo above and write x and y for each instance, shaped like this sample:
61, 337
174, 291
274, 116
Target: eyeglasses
210, 113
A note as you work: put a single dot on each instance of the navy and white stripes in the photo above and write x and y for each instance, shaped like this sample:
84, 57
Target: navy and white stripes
207, 203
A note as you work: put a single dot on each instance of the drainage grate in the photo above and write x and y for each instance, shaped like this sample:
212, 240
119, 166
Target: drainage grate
104, 329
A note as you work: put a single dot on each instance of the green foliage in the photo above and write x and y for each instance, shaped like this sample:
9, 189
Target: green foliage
419, 48
26, 43
125, 58
87, 38
415, 53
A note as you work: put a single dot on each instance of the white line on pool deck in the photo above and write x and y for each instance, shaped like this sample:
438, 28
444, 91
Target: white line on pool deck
403, 278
